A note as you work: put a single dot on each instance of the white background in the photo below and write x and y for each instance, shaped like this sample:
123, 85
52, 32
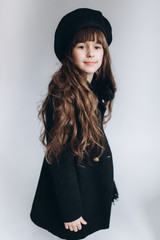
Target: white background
27, 62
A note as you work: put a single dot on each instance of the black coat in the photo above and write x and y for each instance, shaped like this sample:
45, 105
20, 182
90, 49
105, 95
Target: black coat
69, 191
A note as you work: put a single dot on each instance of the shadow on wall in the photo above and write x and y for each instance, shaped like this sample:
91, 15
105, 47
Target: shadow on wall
153, 212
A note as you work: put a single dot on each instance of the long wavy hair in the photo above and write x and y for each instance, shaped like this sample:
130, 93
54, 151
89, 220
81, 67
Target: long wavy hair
69, 111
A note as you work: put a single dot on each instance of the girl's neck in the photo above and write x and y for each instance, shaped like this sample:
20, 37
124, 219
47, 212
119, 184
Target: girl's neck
89, 77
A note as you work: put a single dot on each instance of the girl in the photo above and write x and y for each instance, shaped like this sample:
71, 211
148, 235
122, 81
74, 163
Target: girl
76, 186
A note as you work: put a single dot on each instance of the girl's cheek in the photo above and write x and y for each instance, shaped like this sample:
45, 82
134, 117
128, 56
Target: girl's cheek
75, 56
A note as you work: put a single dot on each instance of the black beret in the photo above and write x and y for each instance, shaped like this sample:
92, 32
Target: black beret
73, 22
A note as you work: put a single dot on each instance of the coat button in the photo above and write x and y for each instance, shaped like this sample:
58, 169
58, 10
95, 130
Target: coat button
96, 159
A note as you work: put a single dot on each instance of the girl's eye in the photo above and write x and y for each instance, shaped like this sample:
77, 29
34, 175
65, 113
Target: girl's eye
98, 47
81, 47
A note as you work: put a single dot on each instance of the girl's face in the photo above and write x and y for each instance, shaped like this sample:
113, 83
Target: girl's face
88, 57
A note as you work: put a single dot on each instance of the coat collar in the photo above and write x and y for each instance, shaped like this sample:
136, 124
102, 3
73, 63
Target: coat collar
92, 86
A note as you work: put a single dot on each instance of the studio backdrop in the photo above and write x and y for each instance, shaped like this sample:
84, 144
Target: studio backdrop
27, 63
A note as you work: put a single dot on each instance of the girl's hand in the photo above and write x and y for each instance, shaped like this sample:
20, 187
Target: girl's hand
75, 225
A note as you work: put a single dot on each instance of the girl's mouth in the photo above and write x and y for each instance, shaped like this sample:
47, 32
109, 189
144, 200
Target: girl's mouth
90, 63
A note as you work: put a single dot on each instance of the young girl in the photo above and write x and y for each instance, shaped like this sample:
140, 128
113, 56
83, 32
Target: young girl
76, 186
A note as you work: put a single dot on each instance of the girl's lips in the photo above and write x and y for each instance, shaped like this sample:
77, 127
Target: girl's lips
90, 63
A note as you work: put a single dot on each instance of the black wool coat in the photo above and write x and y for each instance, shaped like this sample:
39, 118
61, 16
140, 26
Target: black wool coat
67, 191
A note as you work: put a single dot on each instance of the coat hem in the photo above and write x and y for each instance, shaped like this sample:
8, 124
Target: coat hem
104, 227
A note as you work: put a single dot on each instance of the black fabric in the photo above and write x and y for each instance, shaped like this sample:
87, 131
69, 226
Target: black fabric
102, 88
67, 191
73, 22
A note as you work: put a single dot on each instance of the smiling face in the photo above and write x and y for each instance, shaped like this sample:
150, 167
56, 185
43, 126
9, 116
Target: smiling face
88, 50
88, 57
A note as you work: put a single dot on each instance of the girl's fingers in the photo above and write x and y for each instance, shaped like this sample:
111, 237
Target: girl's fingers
66, 226
71, 228
75, 225
79, 227
83, 221
75, 229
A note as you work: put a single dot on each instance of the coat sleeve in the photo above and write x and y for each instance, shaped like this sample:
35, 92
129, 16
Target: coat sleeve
66, 185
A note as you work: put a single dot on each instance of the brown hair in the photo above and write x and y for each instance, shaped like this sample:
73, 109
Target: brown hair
69, 111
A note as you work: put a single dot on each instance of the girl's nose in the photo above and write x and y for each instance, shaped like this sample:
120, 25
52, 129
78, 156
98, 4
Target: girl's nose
90, 52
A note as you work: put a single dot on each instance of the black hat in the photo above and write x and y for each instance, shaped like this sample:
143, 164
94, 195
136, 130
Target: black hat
73, 22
